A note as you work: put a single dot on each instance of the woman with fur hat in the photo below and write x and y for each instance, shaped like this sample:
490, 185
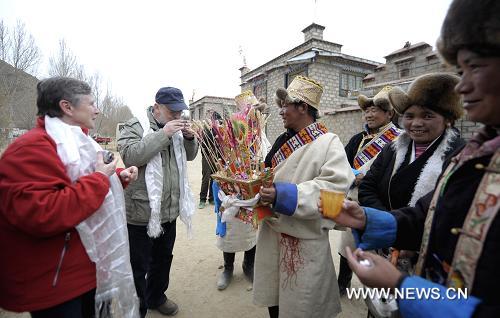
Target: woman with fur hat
294, 272
361, 151
456, 226
408, 168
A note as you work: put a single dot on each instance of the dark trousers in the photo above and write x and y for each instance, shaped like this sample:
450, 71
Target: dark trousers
79, 307
248, 259
206, 181
151, 260
345, 274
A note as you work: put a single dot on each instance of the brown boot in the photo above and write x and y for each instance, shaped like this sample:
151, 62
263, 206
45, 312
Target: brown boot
168, 308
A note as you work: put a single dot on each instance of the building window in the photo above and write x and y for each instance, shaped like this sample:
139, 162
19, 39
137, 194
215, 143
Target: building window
294, 71
260, 90
405, 69
349, 83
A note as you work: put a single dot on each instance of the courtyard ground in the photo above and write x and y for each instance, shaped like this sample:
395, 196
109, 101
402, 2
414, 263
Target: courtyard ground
197, 262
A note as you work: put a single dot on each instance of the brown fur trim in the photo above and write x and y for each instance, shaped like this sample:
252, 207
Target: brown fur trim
471, 24
364, 102
435, 91
399, 100
382, 103
282, 97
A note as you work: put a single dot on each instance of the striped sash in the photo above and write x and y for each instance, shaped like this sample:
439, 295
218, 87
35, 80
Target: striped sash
303, 137
371, 149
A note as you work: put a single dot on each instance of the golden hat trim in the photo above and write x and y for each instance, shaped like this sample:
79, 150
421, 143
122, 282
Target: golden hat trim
386, 89
247, 98
306, 89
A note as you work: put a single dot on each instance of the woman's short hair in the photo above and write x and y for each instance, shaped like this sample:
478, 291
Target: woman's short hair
52, 90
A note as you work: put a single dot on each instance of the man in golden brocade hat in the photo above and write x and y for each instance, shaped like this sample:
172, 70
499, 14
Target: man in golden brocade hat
294, 272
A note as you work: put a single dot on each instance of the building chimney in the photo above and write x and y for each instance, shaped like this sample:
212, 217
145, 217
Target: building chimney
243, 70
314, 31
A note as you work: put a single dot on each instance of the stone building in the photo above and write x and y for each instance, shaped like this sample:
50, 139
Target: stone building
222, 105
403, 66
340, 74
343, 77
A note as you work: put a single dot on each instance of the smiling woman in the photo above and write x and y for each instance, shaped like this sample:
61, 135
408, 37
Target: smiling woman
480, 86
423, 125
409, 167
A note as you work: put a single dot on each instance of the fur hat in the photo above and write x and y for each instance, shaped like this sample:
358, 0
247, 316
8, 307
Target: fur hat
301, 89
435, 91
381, 100
471, 24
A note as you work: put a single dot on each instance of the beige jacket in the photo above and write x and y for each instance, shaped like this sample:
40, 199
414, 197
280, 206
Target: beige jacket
313, 292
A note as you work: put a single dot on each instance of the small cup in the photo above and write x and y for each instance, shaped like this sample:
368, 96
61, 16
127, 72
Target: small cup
186, 114
332, 202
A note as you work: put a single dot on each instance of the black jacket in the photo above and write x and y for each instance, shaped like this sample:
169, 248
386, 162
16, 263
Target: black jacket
380, 190
351, 149
280, 141
451, 211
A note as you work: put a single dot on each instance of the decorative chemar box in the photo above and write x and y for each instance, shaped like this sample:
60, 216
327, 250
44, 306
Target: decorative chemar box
246, 189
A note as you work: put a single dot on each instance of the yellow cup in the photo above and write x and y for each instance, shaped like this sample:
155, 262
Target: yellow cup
332, 202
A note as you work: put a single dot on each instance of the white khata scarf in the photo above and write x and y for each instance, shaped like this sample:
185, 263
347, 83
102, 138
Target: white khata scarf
154, 185
104, 234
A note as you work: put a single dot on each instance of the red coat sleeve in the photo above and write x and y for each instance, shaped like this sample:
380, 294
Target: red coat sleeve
124, 183
37, 196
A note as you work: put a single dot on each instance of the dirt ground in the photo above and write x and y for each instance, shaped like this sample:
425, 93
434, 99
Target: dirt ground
197, 263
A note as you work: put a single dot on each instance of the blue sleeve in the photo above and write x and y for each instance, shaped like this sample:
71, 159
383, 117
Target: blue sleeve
442, 302
215, 191
356, 172
286, 198
220, 228
380, 231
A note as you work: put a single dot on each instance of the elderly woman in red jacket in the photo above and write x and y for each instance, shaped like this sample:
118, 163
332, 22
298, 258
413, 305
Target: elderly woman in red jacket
63, 234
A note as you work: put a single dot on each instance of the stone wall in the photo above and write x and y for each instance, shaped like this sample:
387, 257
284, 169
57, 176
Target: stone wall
467, 128
344, 123
274, 126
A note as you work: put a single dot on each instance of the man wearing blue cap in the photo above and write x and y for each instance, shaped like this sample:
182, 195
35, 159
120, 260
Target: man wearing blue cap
160, 147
